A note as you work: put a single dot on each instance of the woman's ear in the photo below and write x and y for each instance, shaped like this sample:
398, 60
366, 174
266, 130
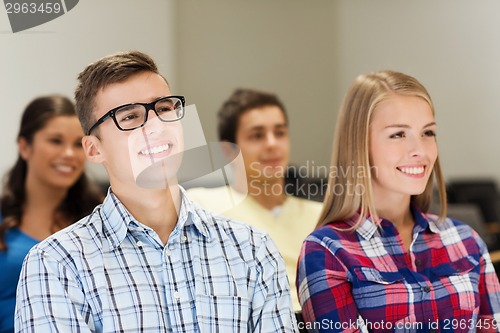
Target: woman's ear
91, 146
24, 148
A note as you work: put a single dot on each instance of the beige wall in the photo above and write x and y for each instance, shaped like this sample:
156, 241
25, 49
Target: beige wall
286, 47
46, 59
453, 48
309, 51
305, 51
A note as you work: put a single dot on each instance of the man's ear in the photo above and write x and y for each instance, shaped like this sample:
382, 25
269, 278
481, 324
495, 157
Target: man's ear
92, 147
24, 148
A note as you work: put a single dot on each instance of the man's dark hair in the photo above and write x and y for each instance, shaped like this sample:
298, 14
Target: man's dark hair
241, 101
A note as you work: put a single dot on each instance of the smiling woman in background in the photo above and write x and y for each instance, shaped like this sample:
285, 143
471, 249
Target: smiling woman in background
44, 192
378, 262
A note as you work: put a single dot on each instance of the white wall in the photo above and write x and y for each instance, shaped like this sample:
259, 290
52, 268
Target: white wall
309, 51
283, 46
46, 59
453, 48
305, 51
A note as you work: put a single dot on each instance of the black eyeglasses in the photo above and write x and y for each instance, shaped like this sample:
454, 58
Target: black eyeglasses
131, 116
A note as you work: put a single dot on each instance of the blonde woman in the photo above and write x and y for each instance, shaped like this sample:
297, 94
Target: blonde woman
377, 260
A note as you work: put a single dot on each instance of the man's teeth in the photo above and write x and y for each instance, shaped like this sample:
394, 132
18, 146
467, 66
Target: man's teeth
413, 171
156, 150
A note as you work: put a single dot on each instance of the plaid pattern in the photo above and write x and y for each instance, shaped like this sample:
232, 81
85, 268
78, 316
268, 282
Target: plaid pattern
110, 273
365, 281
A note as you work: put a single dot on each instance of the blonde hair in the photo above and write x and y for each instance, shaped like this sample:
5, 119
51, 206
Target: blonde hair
350, 154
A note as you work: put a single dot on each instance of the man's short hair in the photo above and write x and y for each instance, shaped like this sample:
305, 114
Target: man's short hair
241, 101
111, 69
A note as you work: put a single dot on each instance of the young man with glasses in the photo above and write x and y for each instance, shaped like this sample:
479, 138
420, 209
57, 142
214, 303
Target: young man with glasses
147, 259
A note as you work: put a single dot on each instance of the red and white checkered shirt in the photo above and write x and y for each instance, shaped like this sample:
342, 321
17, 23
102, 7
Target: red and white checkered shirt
366, 281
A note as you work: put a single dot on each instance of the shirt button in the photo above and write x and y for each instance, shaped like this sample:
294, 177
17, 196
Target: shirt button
177, 295
184, 239
139, 244
418, 262
427, 289
167, 253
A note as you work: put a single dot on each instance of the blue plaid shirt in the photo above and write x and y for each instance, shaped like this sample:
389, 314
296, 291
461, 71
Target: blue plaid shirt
110, 273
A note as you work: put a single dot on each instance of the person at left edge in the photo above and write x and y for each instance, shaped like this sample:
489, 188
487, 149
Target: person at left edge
45, 190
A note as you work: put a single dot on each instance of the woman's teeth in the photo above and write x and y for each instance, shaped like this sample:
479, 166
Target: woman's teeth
413, 171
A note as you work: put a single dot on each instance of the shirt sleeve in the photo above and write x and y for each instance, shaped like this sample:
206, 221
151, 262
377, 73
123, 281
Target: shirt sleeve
272, 309
324, 291
49, 298
489, 292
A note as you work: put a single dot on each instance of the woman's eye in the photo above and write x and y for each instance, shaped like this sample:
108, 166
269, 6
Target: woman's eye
398, 135
429, 133
55, 141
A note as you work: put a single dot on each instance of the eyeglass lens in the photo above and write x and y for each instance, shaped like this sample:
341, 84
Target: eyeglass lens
134, 115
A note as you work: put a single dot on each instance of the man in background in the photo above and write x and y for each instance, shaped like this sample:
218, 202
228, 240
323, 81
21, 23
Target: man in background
257, 123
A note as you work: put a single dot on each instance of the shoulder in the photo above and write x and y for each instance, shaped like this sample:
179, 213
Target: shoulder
206, 197
74, 241
224, 226
202, 192
217, 199
16, 240
331, 235
232, 236
449, 224
305, 204
452, 231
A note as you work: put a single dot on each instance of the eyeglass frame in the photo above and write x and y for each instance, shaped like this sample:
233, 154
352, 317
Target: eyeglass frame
147, 107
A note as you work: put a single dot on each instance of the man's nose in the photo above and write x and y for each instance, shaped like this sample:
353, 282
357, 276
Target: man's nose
271, 139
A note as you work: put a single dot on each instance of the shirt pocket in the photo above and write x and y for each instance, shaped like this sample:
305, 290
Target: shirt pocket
458, 279
372, 289
222, 313
372, 275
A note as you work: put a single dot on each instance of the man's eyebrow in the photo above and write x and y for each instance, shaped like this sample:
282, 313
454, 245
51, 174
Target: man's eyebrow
156, 98
262, 127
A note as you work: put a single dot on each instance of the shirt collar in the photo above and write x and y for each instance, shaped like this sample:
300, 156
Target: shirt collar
425, 221
117, 220
189, 214
368, 228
